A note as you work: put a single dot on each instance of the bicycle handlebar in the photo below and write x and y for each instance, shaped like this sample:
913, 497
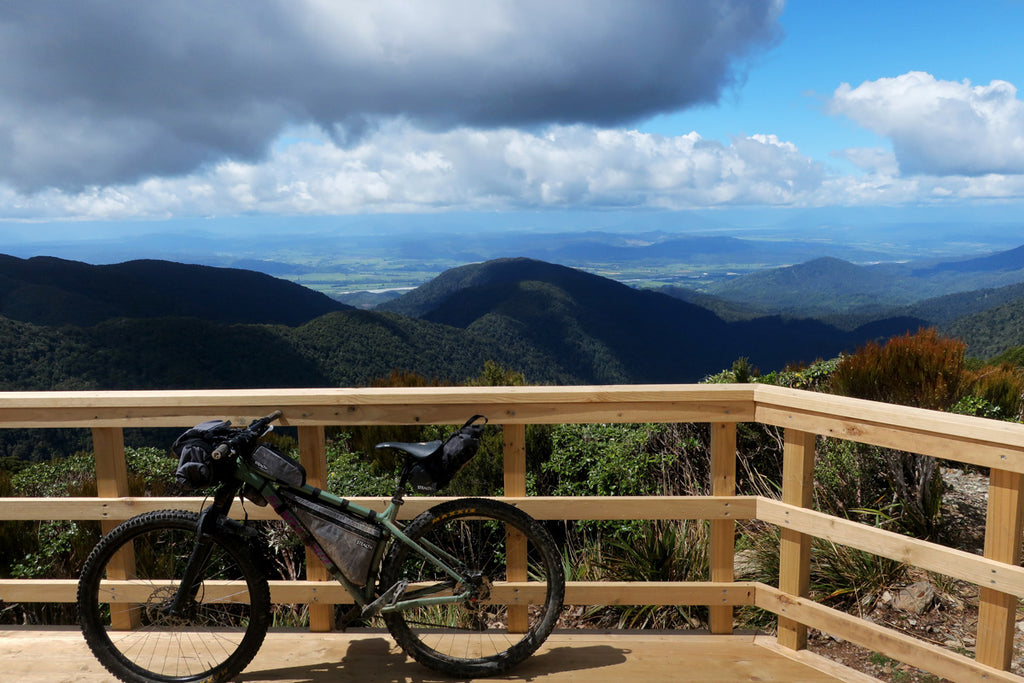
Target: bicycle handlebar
245, 437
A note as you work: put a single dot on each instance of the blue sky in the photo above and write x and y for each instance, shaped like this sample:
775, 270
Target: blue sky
133, 117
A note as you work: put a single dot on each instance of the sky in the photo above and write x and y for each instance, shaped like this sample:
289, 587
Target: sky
118, 116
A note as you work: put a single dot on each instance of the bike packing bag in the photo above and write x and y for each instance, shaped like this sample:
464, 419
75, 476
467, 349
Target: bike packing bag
194, 449
278, 466
349, 541
439, 468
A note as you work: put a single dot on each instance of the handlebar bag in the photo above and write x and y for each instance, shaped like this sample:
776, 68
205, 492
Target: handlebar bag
194, 449
438, 469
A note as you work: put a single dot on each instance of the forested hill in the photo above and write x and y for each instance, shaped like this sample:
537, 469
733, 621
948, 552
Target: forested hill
551, 323
52, 291
610, 332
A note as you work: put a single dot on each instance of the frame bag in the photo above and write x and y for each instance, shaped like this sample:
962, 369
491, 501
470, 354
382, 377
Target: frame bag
349, 541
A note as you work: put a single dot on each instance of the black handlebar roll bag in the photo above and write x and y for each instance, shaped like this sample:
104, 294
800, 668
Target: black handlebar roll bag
194, 449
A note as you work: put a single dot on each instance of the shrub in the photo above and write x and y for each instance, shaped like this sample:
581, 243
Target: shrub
924, 370
660, 551
996, 392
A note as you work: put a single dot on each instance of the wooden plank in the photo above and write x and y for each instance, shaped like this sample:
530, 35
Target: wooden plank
723, 531
961, 438
313, 456
421, 405
945, 446
957, 564
814, 661
876, 638
541, 507
515, 542
997, 611
981, 430
506, 592
112, 480
48, 655
795, 547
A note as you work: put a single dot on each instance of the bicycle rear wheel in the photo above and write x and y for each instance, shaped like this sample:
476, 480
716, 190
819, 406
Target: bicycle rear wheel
481, 636
130, 579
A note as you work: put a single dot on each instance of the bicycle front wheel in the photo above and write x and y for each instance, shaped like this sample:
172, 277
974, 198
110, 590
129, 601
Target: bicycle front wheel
485, 541
129, 582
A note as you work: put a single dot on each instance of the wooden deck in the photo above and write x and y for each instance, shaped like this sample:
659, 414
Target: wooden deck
59, 655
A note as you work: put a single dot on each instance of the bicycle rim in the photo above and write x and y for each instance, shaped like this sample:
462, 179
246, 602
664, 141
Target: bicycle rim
129, 581
484, 636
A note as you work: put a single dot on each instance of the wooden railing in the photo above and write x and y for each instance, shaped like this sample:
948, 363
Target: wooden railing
802, 416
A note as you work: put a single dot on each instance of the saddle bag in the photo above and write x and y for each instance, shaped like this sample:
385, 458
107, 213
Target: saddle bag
438, 469
349, 541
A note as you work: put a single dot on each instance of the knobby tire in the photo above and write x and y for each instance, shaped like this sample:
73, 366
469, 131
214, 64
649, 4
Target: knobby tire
472, 639
212, 640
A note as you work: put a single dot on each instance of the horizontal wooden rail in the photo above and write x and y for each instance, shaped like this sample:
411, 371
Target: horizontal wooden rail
954, 563
541, 507
289, 592
877, 638
384, 406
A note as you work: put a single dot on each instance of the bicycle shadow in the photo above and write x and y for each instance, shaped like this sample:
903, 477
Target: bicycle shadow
376, 658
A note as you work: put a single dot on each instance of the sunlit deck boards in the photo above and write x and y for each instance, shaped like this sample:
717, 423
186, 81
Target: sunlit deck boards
59, 655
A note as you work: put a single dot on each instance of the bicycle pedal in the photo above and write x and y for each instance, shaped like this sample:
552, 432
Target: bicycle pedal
386, 599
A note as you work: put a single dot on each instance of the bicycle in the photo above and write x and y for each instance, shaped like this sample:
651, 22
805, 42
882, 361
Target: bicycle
182, 596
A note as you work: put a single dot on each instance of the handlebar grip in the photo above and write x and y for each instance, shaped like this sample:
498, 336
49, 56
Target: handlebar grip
273, 416
221, 450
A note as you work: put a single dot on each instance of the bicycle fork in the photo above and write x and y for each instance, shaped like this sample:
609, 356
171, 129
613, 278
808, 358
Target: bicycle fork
198, 559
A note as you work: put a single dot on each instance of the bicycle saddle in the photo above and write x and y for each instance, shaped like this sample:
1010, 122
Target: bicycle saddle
419, 450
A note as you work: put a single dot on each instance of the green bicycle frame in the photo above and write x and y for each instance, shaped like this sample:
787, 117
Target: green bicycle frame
363, 596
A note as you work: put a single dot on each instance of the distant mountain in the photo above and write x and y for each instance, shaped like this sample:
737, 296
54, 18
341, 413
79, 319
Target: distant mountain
818, 287
723, 308
826, 286
703, 249
602, 329
945, 309
552, 323
1012, 260
52, 291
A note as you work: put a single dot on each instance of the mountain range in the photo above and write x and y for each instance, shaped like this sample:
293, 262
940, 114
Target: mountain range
155, 324
828, 285
160, 324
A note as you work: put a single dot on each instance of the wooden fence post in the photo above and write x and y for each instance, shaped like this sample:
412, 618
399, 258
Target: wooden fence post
515, 485
313, 456
112, 482
795, 547
723, 531
997, 611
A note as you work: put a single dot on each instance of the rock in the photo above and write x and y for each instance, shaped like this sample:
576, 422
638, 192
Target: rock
916, 598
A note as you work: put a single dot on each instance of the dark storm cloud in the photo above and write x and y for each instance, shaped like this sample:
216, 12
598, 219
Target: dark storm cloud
93, 93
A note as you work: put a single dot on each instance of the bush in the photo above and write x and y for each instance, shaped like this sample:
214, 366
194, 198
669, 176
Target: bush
660, 551
924, 370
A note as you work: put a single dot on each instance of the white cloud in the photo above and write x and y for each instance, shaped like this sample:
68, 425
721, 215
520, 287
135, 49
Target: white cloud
403, 168
871, 159
941, 127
